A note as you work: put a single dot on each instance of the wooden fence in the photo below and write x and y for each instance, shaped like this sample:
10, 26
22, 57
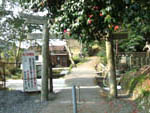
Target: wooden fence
2, 75
130, 60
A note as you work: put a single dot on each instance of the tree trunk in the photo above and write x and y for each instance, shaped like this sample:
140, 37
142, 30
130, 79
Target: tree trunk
81, 49
111, 68
70, 54
18, 54
45, 63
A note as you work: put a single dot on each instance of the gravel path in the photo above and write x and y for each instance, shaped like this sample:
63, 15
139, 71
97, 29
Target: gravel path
89, 101
12, 101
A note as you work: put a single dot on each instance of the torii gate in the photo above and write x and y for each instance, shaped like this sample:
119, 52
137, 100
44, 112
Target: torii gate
30, 19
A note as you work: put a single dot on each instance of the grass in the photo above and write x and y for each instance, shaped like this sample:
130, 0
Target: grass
78, 60
134, 81
56, 73
102, 55
143, 101
138, 85
15, 76
127, 79
130, 81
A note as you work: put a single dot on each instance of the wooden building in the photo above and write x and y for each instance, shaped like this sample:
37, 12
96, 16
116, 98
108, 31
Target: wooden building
59, 56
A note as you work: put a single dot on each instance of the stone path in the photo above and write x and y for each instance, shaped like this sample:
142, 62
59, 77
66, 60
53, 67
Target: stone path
83, 75
90, 99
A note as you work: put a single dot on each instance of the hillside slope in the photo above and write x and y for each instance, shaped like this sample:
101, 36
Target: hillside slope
137, 84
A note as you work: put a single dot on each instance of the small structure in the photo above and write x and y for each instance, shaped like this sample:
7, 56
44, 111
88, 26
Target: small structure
59, 56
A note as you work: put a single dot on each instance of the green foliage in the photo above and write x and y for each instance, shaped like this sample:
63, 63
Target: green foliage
133, 82
56, 73
102, 53
137, 22
79, 60
13, 73
127, 78
143, 101
88, 20
145, 93
70, 67
134, 43
91, 20
17, 75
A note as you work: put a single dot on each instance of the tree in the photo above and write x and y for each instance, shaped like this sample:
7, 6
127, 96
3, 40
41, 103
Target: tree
138, 23
92, 20
12, 29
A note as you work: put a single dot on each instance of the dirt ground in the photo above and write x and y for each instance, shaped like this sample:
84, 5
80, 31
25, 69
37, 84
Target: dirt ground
89, 98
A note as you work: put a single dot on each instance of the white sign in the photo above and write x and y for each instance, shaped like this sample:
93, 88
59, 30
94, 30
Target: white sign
29, 71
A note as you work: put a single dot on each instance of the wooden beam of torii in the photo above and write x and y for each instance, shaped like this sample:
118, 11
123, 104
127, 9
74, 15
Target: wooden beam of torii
33, 19
34, 36
30, 19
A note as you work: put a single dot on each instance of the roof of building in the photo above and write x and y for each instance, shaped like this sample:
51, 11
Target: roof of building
57, 48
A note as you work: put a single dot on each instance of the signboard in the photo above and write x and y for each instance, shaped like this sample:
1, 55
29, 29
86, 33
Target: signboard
29, 71
120, 35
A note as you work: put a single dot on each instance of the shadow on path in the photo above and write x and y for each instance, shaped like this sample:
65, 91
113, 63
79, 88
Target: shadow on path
89, 99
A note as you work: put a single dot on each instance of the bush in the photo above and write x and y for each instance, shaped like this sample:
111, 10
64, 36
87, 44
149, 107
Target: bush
78, 60
143, 101
136, 83
102, 55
